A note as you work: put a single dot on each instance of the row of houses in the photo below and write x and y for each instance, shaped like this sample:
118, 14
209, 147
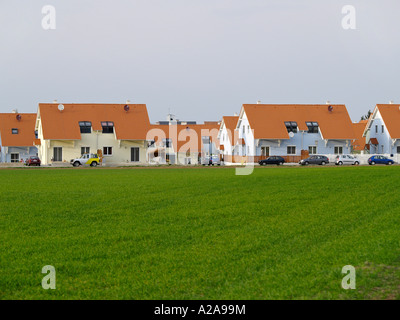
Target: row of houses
122, 133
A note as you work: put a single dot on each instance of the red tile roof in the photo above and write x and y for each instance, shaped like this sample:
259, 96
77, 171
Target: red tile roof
268, 121
391, 116
230, 124
373, 141
64, 125
358, 128
185, 137
25, 126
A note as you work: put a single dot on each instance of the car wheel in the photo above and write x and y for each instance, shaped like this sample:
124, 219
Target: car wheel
373, 162
306, 163
281, 163
340, 163
356, 163
93, 164
76, 164
323, 163
390, 163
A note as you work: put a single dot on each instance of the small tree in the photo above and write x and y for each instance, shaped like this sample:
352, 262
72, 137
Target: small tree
366, 116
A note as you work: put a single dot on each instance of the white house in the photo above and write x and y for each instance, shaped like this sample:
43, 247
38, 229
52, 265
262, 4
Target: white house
17, 136
293, 131
227, 136
382, 132
115, 131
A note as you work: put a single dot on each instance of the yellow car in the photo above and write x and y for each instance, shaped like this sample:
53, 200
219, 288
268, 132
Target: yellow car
87, 159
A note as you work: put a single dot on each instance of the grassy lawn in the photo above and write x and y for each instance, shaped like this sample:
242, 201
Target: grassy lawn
204, 233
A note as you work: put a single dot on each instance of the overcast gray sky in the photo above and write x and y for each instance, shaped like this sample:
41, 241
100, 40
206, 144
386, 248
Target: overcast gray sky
201, 59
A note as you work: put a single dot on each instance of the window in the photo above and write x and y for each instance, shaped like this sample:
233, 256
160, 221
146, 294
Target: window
108, 126
14, 131
291, 126
398, 149
85, 150
265, 151
134, 154
107, 151
14, 157
57, 154
312, 127
312, 149
338, 150
291, 150
382, 148
244, 129
376, 129
36, 134
86, 126
167, 143
151, 144
383, 128
248, 129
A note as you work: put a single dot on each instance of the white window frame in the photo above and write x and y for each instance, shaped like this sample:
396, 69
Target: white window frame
295, 150
18, 158
107, 155
339, 153
312, 146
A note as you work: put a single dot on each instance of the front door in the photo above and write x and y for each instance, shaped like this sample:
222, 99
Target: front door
57, 154
135, 154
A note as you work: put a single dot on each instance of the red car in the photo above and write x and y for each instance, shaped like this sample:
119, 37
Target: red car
32, 161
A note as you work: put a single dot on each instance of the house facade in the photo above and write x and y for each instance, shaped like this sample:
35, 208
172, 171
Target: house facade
382, 132
17, 137
293, 130
184, 144
227, 136
117, 132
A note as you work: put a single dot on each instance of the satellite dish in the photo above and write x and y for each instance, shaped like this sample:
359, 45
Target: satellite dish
126, 108
61, 107
291, 134
330, 108
18, 117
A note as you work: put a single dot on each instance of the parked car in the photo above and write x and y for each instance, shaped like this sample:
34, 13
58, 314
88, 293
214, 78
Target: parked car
322, 160
379, 160
272, 160
210, 161
346, 159
32, 161
89, 159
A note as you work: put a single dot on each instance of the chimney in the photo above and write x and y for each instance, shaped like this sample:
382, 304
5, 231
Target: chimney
235, 114
258, 101
128, 101
391, 102
328, 102
54, 101
14, 111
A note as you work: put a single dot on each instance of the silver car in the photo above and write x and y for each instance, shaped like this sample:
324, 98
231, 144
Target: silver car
346, 159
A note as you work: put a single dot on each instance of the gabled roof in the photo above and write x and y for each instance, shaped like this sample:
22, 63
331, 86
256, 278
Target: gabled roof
358, 128
391, 116
186, 135
268, 120
230, 124
64, 125
25, 126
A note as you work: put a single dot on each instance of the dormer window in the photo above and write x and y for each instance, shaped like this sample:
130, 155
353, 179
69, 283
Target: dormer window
14, 131
312, 127
86, 126
291, 126
108, 126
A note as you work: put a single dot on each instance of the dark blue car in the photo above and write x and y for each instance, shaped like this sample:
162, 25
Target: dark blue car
379, 160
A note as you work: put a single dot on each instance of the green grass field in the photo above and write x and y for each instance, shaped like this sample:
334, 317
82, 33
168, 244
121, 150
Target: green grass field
200, 233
